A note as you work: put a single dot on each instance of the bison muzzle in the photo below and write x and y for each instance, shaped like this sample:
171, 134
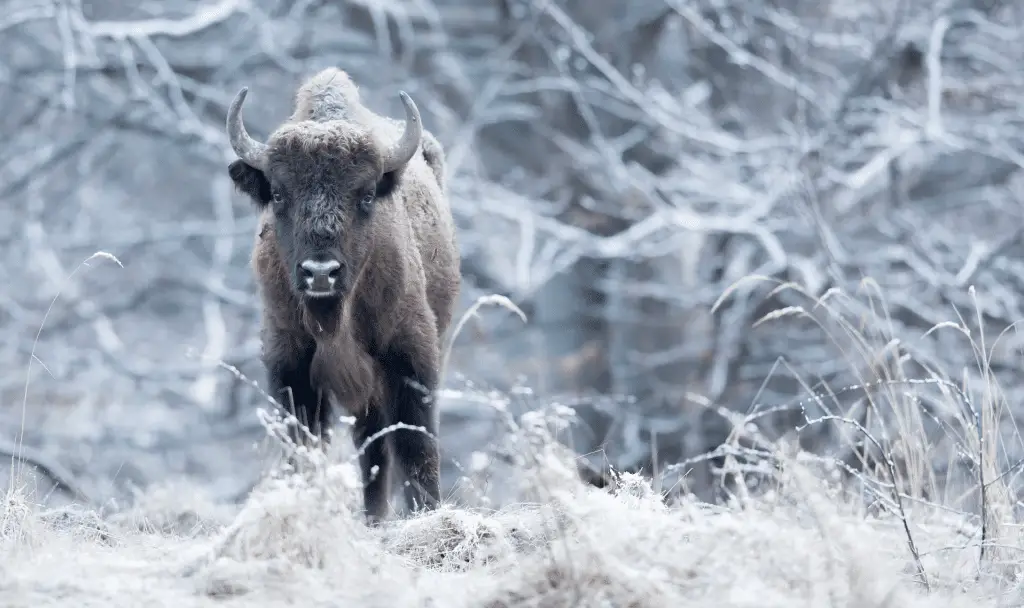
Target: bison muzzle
357, 269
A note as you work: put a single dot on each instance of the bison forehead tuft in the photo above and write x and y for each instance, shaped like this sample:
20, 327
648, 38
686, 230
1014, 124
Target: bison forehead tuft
339, 141
323, 222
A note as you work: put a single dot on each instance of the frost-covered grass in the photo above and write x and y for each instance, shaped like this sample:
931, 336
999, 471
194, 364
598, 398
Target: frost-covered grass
300, 540
800, 537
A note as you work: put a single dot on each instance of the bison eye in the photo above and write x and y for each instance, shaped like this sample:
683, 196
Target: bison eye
277, 197
367, 201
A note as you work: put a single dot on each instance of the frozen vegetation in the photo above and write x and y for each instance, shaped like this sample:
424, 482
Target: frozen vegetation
768, 257
791, 533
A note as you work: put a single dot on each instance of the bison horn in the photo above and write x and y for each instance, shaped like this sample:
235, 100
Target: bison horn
401, 152
253, 152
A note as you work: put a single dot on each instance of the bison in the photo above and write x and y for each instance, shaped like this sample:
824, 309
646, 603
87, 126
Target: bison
357, 268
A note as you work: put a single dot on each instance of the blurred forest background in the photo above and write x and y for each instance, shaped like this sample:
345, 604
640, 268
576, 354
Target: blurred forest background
615, 168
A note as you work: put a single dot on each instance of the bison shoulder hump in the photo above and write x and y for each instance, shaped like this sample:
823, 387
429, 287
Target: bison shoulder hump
433, 154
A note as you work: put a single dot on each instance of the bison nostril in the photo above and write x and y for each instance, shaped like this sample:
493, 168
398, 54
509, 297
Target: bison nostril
317, 273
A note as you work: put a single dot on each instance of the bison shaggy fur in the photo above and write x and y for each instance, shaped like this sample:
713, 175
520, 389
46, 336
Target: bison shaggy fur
357, 269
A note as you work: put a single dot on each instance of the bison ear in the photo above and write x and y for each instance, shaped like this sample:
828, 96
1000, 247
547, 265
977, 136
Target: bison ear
387, 184
250, 181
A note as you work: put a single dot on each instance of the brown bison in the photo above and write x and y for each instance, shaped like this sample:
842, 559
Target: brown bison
358, 272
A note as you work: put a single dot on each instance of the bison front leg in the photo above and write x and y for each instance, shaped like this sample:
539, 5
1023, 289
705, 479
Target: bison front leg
375, 461
288, 364
411, 384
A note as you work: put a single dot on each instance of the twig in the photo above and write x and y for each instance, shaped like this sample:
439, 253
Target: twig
894, 477
62, 478
933, 128
202, 19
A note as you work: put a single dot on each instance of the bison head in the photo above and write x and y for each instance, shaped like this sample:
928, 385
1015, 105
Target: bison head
323, 181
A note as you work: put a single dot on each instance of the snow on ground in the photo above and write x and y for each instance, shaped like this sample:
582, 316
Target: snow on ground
299, 540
